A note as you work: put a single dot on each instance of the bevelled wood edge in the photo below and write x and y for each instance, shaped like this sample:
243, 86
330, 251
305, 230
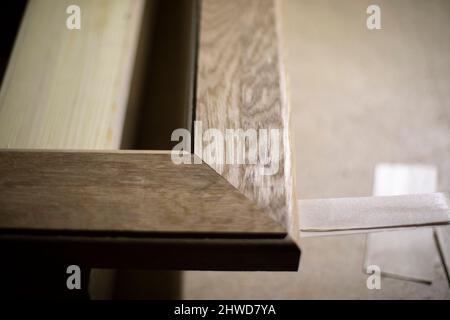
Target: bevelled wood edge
259, 254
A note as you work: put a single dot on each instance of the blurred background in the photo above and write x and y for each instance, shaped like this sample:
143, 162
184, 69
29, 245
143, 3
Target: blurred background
358, 97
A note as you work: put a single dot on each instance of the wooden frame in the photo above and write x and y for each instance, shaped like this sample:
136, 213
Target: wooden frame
137, 209
109, 208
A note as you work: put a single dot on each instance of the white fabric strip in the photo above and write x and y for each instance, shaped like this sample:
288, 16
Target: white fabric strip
369, 213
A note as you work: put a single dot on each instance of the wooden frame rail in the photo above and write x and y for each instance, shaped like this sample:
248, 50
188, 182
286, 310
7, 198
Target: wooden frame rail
111, 209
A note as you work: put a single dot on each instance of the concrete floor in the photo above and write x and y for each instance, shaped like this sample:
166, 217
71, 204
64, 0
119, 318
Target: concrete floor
358, 97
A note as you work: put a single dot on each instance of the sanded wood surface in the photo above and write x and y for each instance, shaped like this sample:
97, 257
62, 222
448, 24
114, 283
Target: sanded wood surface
240, 85
121, 192
69, 88
132, 209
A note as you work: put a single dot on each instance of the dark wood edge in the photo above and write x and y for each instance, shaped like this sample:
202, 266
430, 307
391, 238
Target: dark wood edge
142, 235
153, 253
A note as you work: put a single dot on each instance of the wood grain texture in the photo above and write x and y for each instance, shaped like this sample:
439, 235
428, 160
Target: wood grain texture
69, 88
132, 209
240, 85
122, 192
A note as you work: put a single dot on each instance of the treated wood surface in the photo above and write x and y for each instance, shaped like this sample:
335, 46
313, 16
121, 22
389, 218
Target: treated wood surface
69, 88
124, 192
121, 209
240, 85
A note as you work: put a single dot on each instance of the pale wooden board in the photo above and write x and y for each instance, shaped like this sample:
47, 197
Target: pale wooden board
69, 88
240, 85
128, 192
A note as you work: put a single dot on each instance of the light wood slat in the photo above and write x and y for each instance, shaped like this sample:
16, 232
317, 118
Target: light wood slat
240, 85
69, 88
117, 192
